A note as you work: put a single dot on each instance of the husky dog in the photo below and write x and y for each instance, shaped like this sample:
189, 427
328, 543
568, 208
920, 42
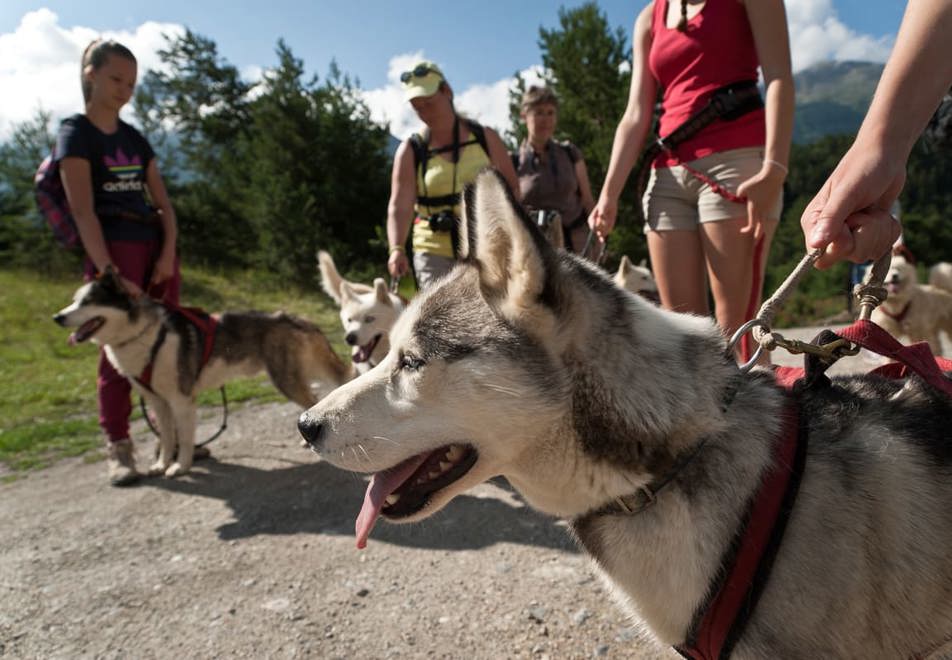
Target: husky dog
531, 364
917, 311
141, 336
940, 275
637, 279
367, 313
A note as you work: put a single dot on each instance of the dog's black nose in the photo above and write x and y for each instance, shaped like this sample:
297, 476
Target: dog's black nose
351, 338
311, 430
59, 318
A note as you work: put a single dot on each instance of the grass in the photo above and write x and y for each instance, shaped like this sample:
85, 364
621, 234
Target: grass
48, 389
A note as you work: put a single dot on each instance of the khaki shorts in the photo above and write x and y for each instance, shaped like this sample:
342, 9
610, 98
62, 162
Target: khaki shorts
676, 199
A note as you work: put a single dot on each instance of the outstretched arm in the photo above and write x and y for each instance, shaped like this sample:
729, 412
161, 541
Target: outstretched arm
849, 217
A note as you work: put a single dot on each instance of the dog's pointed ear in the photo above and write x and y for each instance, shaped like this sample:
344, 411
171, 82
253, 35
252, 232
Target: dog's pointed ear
381, 292
625, 266
109, 277
346, 291
330, 278
644, 263
512, 255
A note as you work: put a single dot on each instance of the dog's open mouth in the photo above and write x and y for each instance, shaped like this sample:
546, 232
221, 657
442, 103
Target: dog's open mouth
86, 330
364, 352
406, 488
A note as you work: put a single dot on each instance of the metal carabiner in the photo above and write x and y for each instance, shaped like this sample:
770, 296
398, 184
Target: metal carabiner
741, 331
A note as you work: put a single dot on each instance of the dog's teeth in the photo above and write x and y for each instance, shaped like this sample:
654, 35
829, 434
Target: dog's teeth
444, 466
392, 499
434, 474
454, 453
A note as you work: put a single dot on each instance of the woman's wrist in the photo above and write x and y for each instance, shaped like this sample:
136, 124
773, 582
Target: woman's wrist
397, 248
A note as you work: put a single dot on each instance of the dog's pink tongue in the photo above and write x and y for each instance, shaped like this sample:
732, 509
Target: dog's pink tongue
72, 339
382, 484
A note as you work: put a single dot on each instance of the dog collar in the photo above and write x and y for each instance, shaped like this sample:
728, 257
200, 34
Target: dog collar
897, 317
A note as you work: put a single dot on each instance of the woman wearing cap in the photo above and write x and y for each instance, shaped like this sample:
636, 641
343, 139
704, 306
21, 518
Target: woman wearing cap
698, 232
552, 175
430, 172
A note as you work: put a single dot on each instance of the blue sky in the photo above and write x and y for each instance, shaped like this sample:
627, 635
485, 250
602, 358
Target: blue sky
479, 45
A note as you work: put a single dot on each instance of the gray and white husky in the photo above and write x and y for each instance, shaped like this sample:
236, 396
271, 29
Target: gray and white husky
531, 364
138, 332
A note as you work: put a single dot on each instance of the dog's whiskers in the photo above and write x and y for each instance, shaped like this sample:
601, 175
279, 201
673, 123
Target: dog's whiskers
503, 389
385, 439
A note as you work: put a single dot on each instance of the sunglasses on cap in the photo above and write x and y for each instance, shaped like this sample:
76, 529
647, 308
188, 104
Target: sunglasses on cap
418, 72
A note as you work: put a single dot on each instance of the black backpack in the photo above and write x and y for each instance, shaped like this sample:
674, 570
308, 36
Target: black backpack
52, 203
421, 143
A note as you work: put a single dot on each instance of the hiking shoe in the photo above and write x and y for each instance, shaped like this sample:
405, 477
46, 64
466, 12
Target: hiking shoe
121, 461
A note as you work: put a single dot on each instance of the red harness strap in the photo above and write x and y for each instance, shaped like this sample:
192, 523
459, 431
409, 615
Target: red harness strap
720, 624
204, 323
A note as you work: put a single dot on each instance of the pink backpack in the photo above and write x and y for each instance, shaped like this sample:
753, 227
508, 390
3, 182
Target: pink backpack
51, 200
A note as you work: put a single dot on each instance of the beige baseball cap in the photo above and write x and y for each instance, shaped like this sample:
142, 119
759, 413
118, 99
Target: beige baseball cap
422, 80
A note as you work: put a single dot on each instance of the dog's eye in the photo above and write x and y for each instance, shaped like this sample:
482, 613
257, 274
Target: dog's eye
410, 362
370, 319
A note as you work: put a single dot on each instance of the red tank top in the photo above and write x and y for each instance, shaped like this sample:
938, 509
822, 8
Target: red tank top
717, 50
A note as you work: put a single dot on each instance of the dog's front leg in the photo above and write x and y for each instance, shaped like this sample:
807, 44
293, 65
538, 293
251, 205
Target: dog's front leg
166, 428
184, 414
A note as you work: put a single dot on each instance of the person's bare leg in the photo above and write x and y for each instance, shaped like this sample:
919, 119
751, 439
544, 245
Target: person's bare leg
729, 255
677, 261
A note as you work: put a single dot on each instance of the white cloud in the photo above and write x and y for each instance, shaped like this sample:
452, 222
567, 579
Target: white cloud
39, 63
817, 35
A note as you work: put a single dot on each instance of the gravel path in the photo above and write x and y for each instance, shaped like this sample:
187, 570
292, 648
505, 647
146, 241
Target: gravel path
252, 555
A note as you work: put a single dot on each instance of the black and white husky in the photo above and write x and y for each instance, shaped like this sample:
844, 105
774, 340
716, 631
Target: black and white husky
531, 364
141, 337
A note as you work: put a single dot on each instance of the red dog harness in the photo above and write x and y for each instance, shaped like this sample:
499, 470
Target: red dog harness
204, 323
720, 623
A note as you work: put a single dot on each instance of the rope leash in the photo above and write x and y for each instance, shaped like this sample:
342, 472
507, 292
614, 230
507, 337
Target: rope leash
870, 293
221, 429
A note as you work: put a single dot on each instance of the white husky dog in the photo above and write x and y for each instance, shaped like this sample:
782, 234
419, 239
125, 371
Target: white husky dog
919, 312
531, 364
366, 312
637, 279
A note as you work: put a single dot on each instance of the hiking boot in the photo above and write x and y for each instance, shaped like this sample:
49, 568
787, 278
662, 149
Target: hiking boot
121, 461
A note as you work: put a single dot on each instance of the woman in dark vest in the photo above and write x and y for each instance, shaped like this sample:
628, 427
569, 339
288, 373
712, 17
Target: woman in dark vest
552, 175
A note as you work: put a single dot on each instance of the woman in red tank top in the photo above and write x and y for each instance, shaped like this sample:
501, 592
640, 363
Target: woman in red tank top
688, 49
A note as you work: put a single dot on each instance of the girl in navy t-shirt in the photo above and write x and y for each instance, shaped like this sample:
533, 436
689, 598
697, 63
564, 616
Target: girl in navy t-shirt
122, 211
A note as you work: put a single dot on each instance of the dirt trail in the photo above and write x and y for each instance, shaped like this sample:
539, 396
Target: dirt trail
252, 555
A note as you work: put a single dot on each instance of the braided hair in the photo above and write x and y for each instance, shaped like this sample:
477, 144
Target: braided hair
683, 23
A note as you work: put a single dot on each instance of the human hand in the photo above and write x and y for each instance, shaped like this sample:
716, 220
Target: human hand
164, 267
398, 265
602, 218
762, 192
131, 287
849, 217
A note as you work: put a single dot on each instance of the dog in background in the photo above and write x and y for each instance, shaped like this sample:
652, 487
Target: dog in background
162, 354
366, 312
940, 275
637, 279
918, 312
635, 424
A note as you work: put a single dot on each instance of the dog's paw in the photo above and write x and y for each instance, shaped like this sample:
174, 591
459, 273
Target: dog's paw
157, 468
175, 470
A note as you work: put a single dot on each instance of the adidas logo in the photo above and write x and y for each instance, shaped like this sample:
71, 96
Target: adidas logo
123, 167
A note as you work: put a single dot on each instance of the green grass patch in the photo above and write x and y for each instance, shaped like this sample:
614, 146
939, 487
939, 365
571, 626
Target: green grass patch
48, 389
